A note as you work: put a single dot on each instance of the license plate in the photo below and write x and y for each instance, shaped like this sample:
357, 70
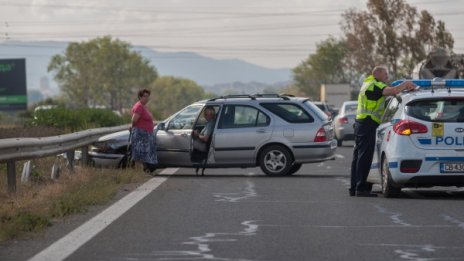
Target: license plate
451, 167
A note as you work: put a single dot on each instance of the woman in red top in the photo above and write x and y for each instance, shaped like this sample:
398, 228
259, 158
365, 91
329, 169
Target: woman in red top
143, 147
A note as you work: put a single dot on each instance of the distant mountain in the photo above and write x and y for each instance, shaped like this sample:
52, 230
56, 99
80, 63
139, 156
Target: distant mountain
207, 72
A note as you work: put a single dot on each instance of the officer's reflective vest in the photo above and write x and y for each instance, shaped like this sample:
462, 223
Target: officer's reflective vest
366, 107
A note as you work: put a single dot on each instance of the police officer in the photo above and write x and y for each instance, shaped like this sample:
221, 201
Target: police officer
371, 106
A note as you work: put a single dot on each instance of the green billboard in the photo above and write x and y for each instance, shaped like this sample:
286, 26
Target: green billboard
13, 90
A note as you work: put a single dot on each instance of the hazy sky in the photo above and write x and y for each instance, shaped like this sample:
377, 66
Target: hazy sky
271, 33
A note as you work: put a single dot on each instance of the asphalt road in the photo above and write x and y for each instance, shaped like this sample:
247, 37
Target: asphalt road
241, 214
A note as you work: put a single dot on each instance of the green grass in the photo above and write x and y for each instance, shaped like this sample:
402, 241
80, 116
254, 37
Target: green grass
36, 205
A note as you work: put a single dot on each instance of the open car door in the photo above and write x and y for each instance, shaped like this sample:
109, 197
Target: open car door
201, 152
173, 137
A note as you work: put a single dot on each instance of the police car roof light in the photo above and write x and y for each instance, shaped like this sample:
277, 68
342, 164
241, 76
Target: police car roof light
436, 82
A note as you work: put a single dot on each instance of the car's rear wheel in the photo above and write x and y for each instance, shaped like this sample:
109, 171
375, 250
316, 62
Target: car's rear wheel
388, 189
295, 167
275, 160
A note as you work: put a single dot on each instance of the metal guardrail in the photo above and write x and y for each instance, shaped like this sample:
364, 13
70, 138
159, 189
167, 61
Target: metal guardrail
14, 149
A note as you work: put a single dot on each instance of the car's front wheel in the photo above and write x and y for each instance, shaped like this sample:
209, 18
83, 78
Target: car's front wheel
125, 162
388, 189
275, 160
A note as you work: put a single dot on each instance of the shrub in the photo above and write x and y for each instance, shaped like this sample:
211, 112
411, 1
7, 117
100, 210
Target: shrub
75, 120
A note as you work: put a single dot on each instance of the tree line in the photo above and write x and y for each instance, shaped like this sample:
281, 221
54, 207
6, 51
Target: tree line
389, 32
106, 72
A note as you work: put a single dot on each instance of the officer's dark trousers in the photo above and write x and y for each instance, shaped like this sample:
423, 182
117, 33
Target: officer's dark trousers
363, 153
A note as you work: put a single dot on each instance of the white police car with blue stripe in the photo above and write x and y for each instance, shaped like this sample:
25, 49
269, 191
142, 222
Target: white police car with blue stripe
420, 141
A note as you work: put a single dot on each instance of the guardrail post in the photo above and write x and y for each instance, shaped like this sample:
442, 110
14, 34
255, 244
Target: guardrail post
11, 176
70, 158
85, 155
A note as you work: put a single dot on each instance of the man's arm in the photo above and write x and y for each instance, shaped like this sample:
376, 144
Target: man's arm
391, 91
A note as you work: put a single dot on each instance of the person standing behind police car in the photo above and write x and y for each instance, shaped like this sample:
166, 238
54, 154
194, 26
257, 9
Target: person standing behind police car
143, 148
371, 107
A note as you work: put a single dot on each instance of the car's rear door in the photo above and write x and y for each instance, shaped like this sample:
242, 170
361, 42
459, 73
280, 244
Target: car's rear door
241, 130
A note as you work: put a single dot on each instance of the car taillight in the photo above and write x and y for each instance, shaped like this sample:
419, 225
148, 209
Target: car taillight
343, 120
407, 127
320, 135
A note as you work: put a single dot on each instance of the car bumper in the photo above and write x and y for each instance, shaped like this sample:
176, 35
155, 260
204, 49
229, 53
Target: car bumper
429, 173
105, 160
314, 153
345, 132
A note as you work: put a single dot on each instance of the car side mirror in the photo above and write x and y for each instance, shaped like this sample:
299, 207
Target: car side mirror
161, 126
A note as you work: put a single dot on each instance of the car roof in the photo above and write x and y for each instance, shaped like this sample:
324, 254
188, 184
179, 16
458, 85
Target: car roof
433, 88
256, 98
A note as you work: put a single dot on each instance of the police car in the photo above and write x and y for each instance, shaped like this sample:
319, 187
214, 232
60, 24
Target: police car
420, 141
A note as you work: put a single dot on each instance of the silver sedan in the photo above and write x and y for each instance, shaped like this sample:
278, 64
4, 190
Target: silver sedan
344, 121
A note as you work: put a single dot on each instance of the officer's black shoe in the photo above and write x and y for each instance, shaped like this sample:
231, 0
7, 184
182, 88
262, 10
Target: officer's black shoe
352, 193
365, 194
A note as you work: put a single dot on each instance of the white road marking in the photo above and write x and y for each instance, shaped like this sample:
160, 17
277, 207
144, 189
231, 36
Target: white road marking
202, 244
345, 181
340, 156
246, 193
458, 222
68, 244
364, 226
394, 216
417, 252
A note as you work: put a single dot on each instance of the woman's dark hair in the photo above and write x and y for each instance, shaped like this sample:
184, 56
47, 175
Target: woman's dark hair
142, 92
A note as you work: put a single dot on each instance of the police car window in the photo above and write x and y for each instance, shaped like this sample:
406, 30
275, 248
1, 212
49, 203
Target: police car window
438, 110
289, 112
240, 116
185, 119
391, 109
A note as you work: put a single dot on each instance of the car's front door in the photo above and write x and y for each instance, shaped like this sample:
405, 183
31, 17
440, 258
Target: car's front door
173, 141
383, 134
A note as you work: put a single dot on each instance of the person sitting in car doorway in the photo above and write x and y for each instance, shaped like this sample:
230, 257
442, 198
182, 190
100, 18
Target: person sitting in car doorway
202, 138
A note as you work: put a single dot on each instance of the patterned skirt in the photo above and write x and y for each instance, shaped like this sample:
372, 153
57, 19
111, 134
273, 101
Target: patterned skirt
143, 147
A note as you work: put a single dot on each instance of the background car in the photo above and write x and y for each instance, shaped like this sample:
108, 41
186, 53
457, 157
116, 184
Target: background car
343, 123
277, 133
324, 107
421, 137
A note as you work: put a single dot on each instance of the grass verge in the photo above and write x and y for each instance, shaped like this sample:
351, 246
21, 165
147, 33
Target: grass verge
38, 203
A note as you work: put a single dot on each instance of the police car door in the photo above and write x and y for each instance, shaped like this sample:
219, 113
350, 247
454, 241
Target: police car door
382, 137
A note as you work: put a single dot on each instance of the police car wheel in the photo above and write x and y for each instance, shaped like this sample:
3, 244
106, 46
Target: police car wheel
388, 190
275, 160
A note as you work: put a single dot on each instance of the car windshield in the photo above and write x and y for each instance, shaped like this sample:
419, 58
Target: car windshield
449, 110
